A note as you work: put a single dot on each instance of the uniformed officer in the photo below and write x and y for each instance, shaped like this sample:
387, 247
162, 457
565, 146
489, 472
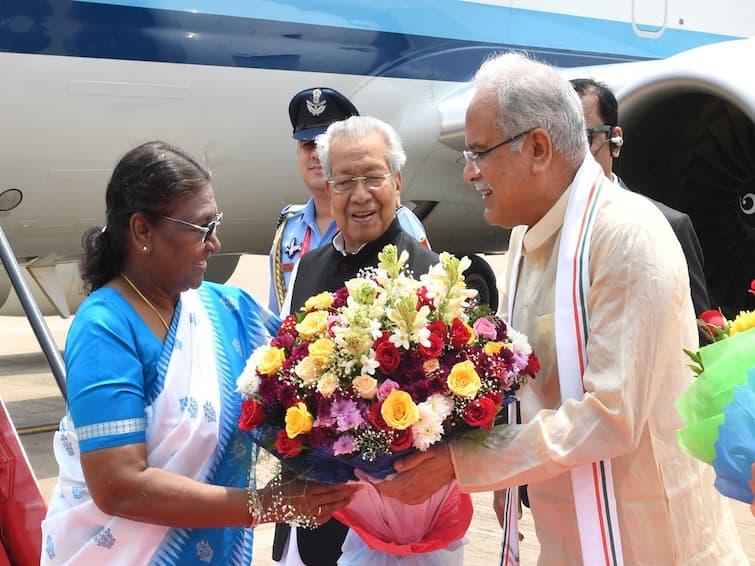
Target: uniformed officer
305, 227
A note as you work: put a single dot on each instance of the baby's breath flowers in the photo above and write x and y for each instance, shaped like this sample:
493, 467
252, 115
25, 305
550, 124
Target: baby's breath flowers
388, 363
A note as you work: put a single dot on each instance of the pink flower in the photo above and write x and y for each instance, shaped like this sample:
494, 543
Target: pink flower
485, 329
385, 389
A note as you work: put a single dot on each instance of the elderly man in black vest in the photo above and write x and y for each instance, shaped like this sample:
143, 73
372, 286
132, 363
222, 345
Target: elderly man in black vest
361, 158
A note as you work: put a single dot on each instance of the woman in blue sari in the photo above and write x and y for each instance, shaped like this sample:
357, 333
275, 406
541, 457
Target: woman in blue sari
153, 466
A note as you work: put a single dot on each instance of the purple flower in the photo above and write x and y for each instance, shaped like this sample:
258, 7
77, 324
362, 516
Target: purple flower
300, 351
437, 386
344, 445
419, 390
339, 298
284, 341
347, 414
501, 335
485, 329
385, 389
268, 391
287, 394
321, 436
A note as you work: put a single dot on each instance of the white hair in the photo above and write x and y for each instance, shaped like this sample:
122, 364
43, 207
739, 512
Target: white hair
531, 95
358, 127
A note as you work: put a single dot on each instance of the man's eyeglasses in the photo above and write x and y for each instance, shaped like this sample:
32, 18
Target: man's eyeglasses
602, 129
207, 230
371, 183
472, 157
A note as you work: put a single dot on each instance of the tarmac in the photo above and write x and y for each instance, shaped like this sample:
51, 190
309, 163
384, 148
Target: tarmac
35, 404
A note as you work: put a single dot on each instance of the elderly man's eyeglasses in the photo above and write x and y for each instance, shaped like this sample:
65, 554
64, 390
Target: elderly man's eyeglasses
602, 129
472, 157
207, 230
371, 183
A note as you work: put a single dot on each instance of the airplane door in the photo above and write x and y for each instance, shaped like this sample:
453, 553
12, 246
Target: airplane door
649, 17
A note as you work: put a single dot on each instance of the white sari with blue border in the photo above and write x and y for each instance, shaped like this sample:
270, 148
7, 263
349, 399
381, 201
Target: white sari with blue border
191, 429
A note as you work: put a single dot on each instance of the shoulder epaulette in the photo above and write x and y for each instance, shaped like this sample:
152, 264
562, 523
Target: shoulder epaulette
288, 211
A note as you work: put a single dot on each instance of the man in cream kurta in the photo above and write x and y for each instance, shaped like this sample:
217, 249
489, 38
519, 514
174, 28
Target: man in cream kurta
668, 511
639, 317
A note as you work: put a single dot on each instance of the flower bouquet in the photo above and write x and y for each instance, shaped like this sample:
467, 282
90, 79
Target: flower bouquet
719, 407
386, 365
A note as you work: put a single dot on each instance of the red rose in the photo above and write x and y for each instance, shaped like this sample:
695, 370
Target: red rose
376, 417
252, 415
481, 413
438, 328
533, 366
287, 447
496, 397
402, 439
752, 287
434, 350
460, 334
388, 356
712, 323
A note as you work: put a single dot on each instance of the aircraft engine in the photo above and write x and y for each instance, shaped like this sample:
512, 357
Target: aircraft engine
689, 131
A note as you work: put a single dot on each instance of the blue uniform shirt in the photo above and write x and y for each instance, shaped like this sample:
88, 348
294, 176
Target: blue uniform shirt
295, 230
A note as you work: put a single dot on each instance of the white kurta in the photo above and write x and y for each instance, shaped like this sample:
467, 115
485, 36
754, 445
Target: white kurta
641, 317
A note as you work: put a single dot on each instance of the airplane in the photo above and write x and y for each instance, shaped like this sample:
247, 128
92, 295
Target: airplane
86, 80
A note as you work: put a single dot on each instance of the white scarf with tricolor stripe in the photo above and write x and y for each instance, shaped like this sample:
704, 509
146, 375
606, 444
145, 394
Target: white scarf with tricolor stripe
592, 484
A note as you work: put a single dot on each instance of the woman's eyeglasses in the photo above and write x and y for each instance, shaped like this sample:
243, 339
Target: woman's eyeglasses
207, 230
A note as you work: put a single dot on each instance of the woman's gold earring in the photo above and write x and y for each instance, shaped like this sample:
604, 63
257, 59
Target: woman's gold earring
145, 249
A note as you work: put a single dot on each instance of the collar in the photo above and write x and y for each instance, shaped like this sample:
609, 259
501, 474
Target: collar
547, 226
394, 229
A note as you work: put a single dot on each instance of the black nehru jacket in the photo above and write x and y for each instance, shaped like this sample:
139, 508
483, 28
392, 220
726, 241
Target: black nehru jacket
327, 269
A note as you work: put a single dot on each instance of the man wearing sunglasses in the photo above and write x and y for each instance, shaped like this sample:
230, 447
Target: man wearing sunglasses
605, 139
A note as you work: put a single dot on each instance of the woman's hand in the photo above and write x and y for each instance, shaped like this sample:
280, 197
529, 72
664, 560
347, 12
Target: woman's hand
303, 502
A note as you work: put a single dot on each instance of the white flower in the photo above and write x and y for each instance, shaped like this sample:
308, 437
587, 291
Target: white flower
441, 405
410, 322
519, 342
248, 382
369, 363
428, 429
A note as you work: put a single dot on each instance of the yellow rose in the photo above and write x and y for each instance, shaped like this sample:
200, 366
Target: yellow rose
365, 386
399, 411
307, 370
320, 302
327, 384
492, 348
463, 379
313, 324
298, 420
321, 351
271, 361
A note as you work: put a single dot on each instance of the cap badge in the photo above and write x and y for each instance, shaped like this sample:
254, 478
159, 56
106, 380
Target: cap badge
316, 106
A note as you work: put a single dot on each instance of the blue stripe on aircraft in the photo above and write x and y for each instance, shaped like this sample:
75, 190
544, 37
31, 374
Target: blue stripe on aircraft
283, 36
452, 19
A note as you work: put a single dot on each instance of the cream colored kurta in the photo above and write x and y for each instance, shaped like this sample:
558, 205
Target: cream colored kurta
641, 317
